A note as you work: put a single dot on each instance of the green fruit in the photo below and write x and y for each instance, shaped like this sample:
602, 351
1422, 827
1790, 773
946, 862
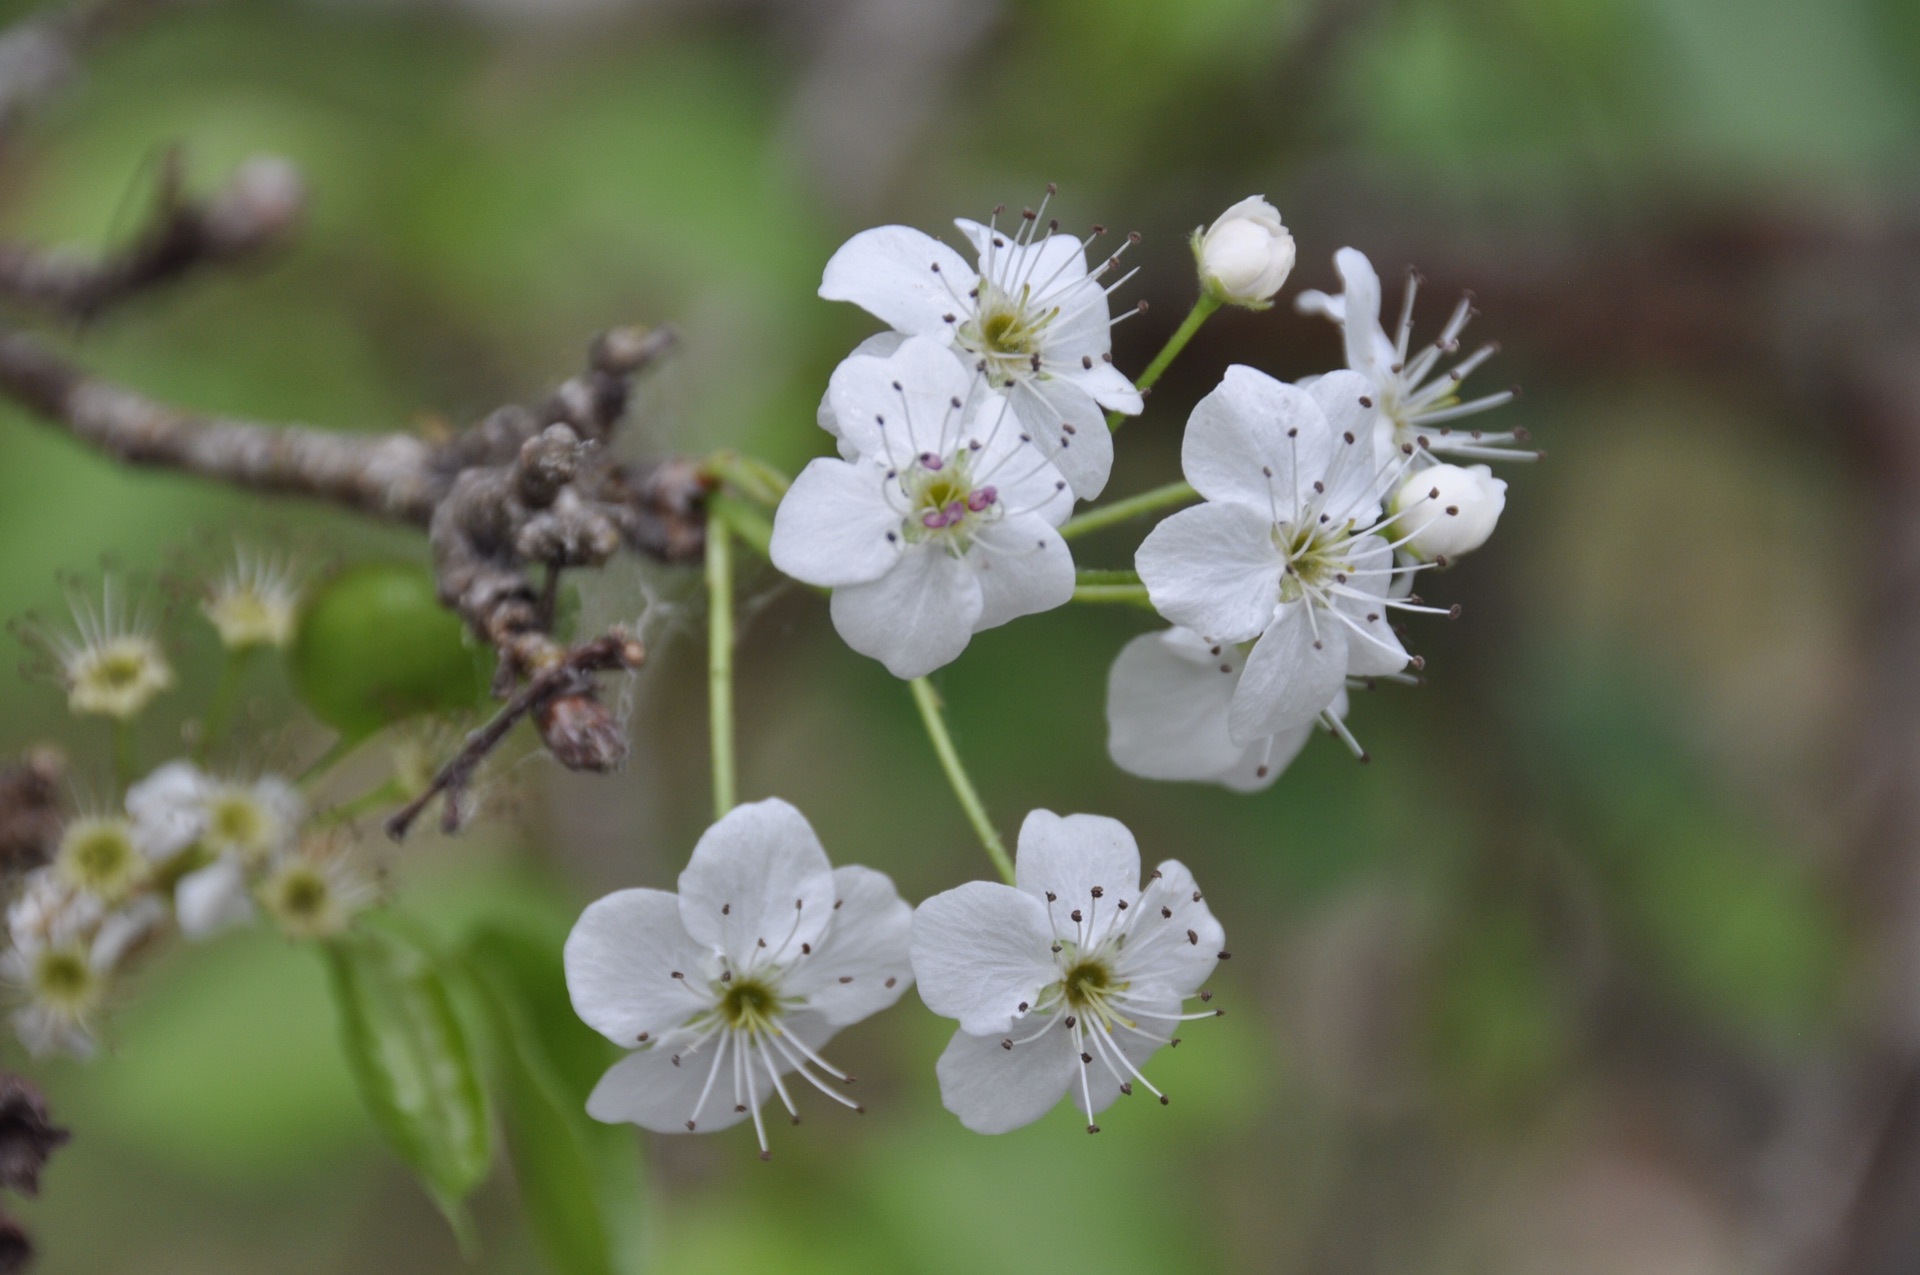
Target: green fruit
375, 646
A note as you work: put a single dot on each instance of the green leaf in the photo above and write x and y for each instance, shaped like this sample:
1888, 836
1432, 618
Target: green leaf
578, 1179
415, 1069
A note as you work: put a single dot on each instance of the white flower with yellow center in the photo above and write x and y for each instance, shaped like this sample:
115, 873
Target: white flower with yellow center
1066, 982
237, 825
1169, 696
941, 526
315, 890
64, 947
1288, 552
103, 856
738, 981
1416, 404
254, 603
1032, 319
110, 663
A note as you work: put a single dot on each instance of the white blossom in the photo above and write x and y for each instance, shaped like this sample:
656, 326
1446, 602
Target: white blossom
254, 603
1066, 982
1449, 510
63, 949
726, 988
110, 663
1414, 415
1245, 255
1287, 552
238, 826
102, 855
943, 524
1169, 695
1031, 319
315, 889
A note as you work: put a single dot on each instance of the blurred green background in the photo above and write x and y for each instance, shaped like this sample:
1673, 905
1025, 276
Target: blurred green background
1586, 972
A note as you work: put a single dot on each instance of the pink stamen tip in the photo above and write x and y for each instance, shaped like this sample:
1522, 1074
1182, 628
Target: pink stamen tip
981, 499
933, 519
956, 511
930, 461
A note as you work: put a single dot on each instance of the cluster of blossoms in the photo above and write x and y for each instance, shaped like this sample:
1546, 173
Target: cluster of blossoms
964, 437
201, 852
182, 849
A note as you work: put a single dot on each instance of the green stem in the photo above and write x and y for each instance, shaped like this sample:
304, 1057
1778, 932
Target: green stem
1087, 576
1202, 311
932, 714
122, 753
746, 521
754, 479
1130, 594
720, 661
1147, 502
220, 708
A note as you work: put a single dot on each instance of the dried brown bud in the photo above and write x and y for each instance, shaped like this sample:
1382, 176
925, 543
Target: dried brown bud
581, 732
27, 1136
16, 1250
30, 818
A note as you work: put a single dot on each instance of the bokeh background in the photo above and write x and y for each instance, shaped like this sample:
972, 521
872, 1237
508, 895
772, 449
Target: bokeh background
1608, 963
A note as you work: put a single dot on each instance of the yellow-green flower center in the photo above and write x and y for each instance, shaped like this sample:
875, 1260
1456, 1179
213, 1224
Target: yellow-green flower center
236, 822
63, 977
1085, 984
748, 1005
98, 855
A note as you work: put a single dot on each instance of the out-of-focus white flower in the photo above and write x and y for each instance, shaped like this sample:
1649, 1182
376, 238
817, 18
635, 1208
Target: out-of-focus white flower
255, 602
723, 990
239, 826
1032, 319
1286, 552
110, 663
1066, 982
1447, 510
942, 526
101, 854
1415, 415
63, 950
315, 890
1245, 255
1169, 695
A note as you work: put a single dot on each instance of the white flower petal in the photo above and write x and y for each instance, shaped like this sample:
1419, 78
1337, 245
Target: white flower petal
1213, 568
620, 960
1023, 567
1356, 479
980, 951
1292, 674
881, 420
212, 898
1368, 350
168, 809
888, 272
1174, 941
879, 345
759, 873
1257, 442
834, 525
1264, 760
1107, 384
1167, 700
915, 618
1072, 856
1069, 429
863, 965
994, 1089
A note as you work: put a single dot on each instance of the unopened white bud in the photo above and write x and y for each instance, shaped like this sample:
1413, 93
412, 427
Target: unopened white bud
1245, 255
1448, 510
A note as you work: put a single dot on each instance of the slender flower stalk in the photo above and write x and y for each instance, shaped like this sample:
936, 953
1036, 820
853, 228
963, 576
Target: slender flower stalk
720, 662
1202, 311
933, 715
1147, 502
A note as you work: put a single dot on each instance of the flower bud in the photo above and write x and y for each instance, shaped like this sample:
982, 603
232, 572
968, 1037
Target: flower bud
1245, 255
1447, 510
